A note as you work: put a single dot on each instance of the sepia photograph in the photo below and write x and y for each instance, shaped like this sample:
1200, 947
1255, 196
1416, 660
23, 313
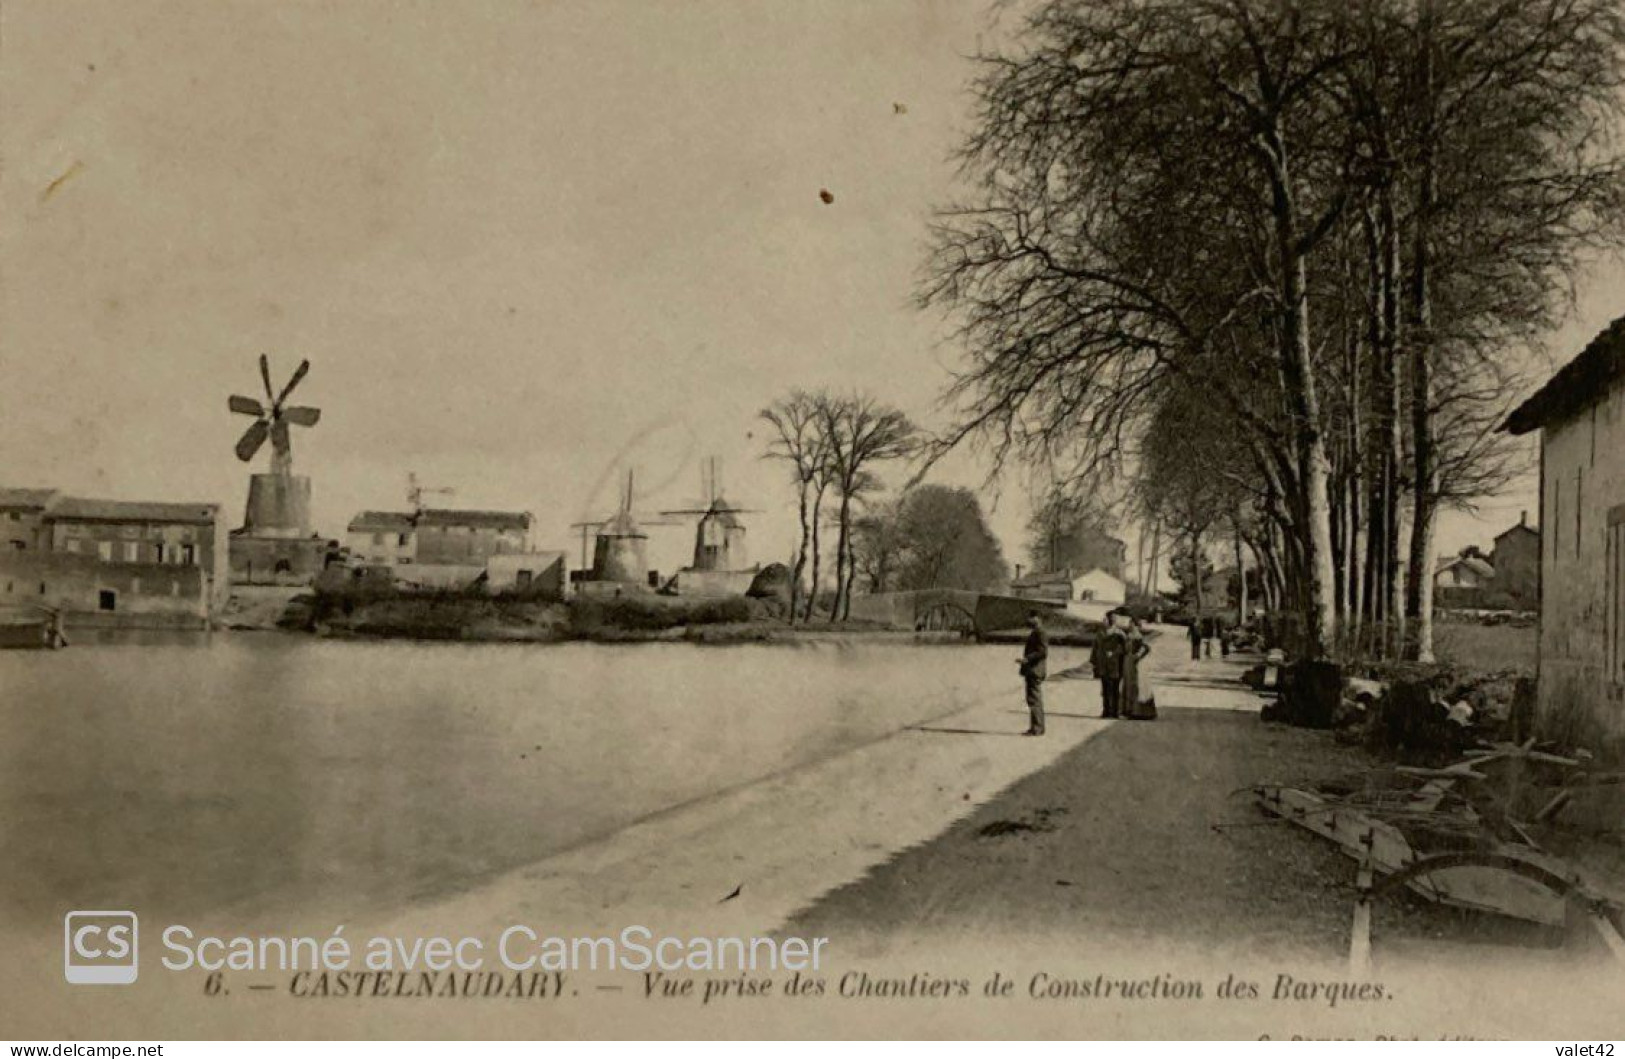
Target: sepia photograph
729, 520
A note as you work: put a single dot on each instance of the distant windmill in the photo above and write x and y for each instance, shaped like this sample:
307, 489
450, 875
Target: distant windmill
620, 551
272, 419
275, 541
719, 538
415, 492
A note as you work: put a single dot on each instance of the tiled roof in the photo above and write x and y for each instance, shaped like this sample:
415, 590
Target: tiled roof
80, 509
1478, 566
26, 498
1058, 577
510, 520
393, 521
1577, 385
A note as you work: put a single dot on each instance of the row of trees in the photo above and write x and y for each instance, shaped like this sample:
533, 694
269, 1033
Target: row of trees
927, 536
834, 446
1280, 257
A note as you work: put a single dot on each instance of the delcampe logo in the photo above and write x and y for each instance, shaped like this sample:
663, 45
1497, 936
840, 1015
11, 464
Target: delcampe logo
99, 948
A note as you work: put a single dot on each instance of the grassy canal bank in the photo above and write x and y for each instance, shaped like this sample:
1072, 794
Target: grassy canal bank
481, 618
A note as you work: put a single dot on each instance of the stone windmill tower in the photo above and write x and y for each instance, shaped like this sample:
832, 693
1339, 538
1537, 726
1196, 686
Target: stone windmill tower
620, 557
719, 536
275, 544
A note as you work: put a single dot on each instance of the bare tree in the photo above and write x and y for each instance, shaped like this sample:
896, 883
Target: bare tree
860, 433
799, 441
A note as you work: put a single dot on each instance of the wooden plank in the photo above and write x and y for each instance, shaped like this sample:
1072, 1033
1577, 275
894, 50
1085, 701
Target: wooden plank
1481, 889
1360, 930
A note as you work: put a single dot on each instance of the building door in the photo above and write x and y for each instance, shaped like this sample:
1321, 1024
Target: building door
522, 579
107, 599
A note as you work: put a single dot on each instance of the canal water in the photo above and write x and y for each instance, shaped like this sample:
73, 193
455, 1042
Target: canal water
261, 774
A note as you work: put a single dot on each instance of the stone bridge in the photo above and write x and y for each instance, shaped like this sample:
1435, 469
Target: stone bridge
978, 613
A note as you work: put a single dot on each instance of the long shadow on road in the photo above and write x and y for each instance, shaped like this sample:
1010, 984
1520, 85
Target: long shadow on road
1144, 833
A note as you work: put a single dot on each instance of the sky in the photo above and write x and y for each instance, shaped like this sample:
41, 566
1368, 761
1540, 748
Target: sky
525, 246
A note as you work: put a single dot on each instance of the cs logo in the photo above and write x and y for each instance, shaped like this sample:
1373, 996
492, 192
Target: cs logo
99, 948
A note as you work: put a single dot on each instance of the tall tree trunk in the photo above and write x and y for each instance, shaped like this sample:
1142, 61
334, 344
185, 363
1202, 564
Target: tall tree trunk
817, 553
1424, 468
1156, 555
1196, 565
1303, 406
1241, 576
801, 557
842, 564
1392, 440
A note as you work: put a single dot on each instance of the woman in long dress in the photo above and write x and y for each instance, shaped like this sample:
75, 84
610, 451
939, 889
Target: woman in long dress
1139, 703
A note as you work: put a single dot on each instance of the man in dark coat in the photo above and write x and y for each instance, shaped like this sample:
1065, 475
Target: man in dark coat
1106, 658
1193, 632
1034, 668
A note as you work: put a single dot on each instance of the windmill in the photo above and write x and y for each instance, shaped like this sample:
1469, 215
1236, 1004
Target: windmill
621, 549
278, 502
273, 418
719, 537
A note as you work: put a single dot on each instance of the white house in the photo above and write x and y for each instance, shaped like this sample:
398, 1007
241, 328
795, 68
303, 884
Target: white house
1463, 571
1090, 594
1580, 414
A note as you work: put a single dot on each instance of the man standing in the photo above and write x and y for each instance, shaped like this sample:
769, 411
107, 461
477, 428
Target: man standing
1193, 633
1106, 658
1034, 668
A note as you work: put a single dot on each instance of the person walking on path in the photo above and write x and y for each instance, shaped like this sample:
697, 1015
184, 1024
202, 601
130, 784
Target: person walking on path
1193, 632
1034, 668
1106, 658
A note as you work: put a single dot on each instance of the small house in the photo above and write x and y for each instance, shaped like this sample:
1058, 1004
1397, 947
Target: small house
1580, 415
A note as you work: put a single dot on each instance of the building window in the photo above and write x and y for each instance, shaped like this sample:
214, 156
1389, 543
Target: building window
107, 599
188, 555
404, 539
377, 538
104, 551
135, 586
132, 551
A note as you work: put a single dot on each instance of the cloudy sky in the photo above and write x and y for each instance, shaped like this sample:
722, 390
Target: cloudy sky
524, 245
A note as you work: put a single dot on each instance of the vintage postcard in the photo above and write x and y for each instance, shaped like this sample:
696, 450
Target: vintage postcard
812, 519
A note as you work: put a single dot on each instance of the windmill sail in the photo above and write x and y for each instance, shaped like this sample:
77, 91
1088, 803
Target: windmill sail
252, 439
272, 419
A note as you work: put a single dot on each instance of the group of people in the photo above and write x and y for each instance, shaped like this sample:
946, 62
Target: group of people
1115, 659
1203, 633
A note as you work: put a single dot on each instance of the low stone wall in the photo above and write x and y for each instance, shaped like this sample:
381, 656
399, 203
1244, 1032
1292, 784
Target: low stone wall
905, 610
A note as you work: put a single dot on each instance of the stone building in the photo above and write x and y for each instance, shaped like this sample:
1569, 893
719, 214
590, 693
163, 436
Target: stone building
382, 538
120, 562
470, 537
1580, 414
1516, 558
1463, 571
22, 520
445, 548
